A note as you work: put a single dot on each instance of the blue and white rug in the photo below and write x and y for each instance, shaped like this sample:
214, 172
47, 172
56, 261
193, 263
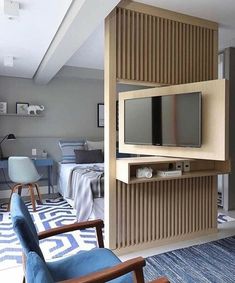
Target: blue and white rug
53, 213
222, 218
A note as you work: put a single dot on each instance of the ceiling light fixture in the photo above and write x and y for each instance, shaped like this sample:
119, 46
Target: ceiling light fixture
11, 8
8, 61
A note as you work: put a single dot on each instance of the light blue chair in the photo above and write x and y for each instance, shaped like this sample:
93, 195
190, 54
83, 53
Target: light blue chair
96, 265
22, 171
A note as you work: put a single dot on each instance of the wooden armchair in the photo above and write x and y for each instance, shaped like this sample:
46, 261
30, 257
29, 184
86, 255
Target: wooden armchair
96, 265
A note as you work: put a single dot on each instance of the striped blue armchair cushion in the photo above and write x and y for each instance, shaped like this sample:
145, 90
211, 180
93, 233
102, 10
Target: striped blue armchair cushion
67, 150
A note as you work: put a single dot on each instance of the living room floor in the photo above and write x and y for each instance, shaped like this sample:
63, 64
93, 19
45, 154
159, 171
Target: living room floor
15, 274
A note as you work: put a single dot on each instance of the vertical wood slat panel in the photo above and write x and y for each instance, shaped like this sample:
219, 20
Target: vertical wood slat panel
141, 47
165, 48
161, 54
128, 47
137, 54
158, 51
171, 64
154, 49
119, 41
164, 209
169, 49
123, 44
176, 53
180, 53
118, 220
150, 52
132, 54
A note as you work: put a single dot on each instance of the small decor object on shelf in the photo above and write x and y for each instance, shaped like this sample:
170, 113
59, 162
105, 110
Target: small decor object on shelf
35, 109
21, 108
169, 173
144, 172
44, 154
3, 107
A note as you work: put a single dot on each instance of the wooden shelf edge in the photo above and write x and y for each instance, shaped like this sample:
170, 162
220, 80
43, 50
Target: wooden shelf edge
21, 115
183, 176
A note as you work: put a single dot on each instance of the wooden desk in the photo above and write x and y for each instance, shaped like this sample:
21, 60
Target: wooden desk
39, 162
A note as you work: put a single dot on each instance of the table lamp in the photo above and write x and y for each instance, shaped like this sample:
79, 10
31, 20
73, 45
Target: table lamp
9, 137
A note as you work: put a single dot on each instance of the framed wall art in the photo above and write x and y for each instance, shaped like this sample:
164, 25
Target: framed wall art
100, 115
22, 108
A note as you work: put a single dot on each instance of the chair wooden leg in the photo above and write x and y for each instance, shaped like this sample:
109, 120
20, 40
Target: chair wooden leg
19, 190
31, 190
37, 189
13, 190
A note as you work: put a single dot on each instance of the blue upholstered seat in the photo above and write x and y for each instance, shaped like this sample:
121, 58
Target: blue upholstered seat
77, 265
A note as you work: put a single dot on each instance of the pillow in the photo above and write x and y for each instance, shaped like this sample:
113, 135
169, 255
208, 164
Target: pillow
36, 270
89, 156
67, 150
95, 145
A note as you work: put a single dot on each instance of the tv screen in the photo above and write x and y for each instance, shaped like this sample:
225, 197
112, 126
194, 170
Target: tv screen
170, 120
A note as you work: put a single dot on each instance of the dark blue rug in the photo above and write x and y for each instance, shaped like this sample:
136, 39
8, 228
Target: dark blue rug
212, 262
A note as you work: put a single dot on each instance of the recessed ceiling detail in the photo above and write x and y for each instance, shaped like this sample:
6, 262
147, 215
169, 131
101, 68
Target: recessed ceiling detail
28, 36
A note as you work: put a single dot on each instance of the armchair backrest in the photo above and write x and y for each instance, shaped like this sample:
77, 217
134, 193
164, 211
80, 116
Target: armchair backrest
24, 227
36, 270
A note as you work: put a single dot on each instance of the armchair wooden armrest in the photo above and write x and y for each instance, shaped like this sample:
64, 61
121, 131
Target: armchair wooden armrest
133, 265
160, 280
97, 224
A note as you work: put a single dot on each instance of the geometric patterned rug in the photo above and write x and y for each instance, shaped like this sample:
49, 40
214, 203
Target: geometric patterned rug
53, 213
222, 218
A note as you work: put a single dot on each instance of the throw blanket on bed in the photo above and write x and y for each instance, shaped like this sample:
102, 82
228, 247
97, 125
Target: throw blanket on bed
83, 185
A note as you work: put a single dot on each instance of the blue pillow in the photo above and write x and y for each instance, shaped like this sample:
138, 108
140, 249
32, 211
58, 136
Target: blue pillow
67, 150
36, 270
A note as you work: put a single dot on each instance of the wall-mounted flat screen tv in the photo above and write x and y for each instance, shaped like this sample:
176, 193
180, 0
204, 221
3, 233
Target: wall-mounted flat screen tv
169, 120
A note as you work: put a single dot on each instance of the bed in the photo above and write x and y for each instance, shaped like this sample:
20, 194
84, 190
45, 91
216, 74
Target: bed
74, 185
81, 177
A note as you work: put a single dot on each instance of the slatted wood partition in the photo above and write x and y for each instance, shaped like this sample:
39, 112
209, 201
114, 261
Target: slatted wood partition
164, 210
149, 46
160, 50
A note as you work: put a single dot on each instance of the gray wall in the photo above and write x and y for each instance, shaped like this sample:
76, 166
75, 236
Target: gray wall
70, 101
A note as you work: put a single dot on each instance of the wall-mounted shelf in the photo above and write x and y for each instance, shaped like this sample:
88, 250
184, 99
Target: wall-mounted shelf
21, 115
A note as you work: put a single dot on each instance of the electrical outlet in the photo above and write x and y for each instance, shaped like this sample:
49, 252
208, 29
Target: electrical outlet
178, 165
186, 166
34, 151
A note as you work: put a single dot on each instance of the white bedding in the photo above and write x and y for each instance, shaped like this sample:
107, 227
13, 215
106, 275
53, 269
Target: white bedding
64, 171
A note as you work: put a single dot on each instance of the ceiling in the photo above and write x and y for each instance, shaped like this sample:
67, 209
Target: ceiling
29, 36
91, 54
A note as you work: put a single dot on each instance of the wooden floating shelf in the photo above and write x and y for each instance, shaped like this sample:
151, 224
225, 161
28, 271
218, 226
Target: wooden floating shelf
21, 115
126, 168
184, 175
